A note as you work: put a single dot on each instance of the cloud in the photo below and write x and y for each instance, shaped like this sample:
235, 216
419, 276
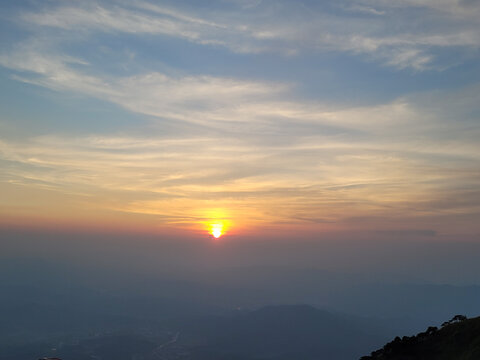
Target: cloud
217, 102
276, 28
197, 99
346, 163
408, 233
469, 8
363, 9
145, 18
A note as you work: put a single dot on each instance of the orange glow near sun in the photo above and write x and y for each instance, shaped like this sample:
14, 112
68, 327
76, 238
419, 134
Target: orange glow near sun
219, 222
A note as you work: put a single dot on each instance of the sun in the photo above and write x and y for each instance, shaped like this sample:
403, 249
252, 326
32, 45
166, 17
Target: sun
216, 230
217, 233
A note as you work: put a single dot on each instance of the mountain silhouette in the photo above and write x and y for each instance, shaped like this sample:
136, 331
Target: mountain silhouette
457, 339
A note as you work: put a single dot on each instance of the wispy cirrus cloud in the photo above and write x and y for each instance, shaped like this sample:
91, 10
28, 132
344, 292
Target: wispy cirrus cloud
296, 157
273, 28
145, 18
218, 102
333, 179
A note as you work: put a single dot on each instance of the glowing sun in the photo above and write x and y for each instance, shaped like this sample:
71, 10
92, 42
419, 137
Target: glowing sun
216, 230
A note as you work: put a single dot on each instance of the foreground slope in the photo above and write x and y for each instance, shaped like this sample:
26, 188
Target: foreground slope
458, 339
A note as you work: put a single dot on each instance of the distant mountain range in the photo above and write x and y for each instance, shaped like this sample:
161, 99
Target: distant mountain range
271, 333
282, 332
236, 314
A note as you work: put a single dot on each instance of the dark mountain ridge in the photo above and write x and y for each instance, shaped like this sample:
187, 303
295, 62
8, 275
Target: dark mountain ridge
457, 339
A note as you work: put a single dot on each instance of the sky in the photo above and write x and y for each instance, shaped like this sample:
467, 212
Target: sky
266, 119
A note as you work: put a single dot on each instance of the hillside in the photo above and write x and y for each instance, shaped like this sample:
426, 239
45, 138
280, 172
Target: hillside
282, 332
270, 333
457, 339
